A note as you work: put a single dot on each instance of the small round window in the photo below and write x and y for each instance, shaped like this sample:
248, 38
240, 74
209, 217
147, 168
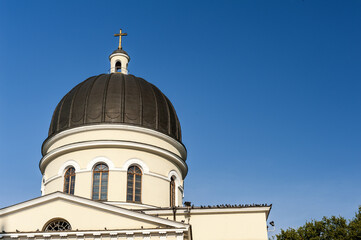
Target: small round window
57, 225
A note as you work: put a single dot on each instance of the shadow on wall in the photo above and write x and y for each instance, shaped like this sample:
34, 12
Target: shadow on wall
3, 226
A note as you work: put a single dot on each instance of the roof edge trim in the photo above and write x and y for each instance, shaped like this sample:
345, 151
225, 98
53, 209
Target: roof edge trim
118, 126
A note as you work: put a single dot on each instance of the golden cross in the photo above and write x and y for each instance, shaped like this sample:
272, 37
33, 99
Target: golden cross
120, 37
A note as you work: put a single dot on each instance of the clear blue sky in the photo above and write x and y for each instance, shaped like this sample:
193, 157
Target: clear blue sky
268, 92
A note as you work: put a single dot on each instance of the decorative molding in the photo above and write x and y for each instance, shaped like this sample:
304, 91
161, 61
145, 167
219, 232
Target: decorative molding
113, 235
67, 164
130, 235
158, 176
97, 160
179, 235
113, 144
162, 235
181, 211
51, 179
113, 170
42, 187
80, 236
146, 235
50, 141
177, 177
97, 234
131, 204
135, 161
177, 184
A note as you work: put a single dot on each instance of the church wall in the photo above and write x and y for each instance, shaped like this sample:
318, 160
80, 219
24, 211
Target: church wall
179, 196
118, 157
155, 178
156, 196
117, 186
82, 184
222, 223
79, 216
246, 226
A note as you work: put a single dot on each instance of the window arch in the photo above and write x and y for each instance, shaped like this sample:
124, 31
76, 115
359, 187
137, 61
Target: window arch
134, 184
172, 191
100, 182
69, 180
57, 225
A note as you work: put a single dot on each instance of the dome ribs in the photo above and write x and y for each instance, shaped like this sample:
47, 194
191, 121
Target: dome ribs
52, 122
149, 111
131, 113
113, 99
179, 129
168, 114
55, 120
65, 110
140, 101
155, 106
72, 104
79, 103
116, 99
162, 111
95, 101
172, 119
122, 107
87, 98
105, 96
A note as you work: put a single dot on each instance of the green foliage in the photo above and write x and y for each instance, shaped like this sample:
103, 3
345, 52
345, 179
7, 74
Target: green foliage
333, 228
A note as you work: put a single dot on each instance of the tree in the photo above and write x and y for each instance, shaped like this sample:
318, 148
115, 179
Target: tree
333, 228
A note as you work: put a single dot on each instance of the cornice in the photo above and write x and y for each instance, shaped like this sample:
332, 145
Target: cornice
95, 233
178, 145
181, 211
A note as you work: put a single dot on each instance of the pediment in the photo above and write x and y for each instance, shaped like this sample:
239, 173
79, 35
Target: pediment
81, 213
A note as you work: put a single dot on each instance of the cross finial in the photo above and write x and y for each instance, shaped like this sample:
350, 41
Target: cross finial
120, 34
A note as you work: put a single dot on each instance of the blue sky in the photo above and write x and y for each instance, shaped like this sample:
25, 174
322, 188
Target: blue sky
267, 92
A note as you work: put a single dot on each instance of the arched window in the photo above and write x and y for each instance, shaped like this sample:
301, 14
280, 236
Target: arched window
57, 225
69, 180
100, 182
118, 67
172, 191
134, 185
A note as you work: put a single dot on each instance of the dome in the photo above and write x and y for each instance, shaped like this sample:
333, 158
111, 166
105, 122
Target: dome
116, 98
119, 51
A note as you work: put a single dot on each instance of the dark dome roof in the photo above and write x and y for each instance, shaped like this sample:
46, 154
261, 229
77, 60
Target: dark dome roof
116, 99
119, 51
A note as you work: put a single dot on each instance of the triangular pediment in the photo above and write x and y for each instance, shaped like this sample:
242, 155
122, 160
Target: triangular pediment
81, 213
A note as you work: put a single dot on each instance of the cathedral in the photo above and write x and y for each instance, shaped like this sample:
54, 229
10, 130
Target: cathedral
113, 168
